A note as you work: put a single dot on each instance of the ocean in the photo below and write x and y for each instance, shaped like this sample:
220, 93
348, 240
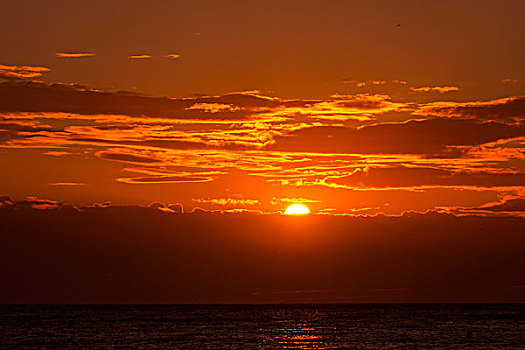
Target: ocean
337, 326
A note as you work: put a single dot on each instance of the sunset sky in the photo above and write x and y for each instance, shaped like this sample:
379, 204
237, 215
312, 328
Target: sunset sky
359, 110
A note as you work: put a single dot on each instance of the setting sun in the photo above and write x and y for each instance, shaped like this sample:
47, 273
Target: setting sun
297, 209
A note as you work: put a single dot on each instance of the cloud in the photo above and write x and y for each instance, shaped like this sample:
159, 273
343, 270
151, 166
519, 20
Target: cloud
170, 208
213, 107
140, 57
509, 109
21, 72
276, 201
74, 54
426, 137
56, 153
37, 97
6, 200
102, 205
343, 143
359, 83
29, 203
67, 184
172, 55
440, 89
176, 208
126, 157
164, 179
403, 176
514, 204
234, 201
40, 97
190, 258
512, 81
358, 107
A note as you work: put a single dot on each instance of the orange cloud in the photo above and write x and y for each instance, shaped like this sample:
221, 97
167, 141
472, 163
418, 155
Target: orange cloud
140, 57
172, 55
67, 184
431, 137
127, 157
74, 54
163, 179
56, 153
509, 109
403, 176
276, 201
21, 72
227, 201
298, 148
363, 83
440, 89
514, 206
213, 107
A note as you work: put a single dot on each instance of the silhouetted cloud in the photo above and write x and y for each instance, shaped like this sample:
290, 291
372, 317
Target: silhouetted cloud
514, 204
125, 157
509, 109
404, 177
164, 179
429, 137
215, 257
41, 97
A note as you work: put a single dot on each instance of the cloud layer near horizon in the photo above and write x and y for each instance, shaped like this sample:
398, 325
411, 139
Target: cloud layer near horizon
106, 254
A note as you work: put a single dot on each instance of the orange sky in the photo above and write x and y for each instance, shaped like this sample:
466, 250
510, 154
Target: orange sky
351, 108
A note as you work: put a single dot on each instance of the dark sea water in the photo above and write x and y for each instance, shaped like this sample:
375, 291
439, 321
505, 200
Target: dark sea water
362, 326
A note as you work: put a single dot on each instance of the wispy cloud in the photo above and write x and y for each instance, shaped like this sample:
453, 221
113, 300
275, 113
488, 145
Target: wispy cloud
275, 200
140, 57
363, 83
509, 109
21, 72
213, 107
233, 201
163, 179
74, 54
56, 153
67, 184
440, 89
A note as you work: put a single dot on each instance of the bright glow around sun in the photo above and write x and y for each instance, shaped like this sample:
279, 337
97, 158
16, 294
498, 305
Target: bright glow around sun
297, 209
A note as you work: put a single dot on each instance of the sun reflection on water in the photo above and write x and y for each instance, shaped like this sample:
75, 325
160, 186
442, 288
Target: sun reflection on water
308, 333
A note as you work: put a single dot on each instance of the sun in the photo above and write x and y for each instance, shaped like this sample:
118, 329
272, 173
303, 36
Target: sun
297, 209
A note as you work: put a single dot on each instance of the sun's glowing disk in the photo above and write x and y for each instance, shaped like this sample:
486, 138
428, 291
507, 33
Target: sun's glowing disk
297, 209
